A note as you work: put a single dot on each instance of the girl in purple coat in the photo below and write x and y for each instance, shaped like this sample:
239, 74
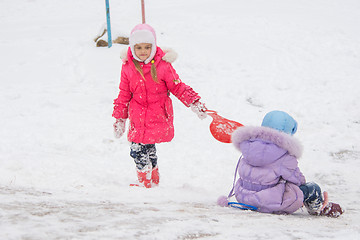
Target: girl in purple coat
269, 177
147, 79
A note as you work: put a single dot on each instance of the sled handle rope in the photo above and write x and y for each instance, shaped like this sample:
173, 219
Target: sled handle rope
236, 170
238, 205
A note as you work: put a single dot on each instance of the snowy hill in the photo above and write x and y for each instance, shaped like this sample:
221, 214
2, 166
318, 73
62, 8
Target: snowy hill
64, 176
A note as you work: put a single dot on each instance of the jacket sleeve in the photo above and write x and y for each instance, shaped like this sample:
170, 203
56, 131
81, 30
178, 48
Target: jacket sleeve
291, 172
182, 91
121, 103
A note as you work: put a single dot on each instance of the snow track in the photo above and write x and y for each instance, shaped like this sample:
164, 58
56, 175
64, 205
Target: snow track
30, 214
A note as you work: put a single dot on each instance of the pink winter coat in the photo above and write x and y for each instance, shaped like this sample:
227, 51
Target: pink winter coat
147, 103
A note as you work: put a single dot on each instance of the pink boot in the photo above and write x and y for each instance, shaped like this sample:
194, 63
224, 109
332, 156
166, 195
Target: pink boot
144, 177
155, 176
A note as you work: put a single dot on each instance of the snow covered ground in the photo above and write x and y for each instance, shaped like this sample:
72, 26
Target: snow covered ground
64, 176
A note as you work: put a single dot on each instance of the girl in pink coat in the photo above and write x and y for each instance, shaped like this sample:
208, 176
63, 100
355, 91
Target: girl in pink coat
147, 79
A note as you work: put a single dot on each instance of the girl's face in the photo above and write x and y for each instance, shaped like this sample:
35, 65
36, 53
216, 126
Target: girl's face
143, 50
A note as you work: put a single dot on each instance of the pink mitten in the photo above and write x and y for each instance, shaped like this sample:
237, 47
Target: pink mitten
199, 108
119, 127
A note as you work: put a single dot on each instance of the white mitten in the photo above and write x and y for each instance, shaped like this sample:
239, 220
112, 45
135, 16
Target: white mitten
119, 127
199, 108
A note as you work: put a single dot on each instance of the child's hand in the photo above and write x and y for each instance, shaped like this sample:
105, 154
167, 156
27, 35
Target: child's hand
199, 108
119, 127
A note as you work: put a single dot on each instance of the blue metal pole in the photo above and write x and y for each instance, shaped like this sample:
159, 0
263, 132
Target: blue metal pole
108, 23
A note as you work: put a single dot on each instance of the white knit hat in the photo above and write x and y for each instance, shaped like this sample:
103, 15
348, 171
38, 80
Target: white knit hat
143, 33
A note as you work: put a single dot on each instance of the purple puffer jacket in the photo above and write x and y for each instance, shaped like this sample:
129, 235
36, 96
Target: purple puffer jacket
269, 172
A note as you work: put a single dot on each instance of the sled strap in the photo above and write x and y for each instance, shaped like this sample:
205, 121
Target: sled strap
242, 206
236, 170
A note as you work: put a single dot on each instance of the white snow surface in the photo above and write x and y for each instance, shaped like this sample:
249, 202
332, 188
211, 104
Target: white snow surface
64, 176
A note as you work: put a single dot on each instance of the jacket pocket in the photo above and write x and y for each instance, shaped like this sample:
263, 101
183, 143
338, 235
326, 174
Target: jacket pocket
168, 108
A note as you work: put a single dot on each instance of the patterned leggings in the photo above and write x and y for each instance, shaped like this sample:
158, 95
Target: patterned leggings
144, 155
312, 196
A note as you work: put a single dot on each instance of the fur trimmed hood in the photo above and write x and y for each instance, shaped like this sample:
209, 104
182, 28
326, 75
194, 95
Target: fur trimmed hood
282, 140
170, 55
